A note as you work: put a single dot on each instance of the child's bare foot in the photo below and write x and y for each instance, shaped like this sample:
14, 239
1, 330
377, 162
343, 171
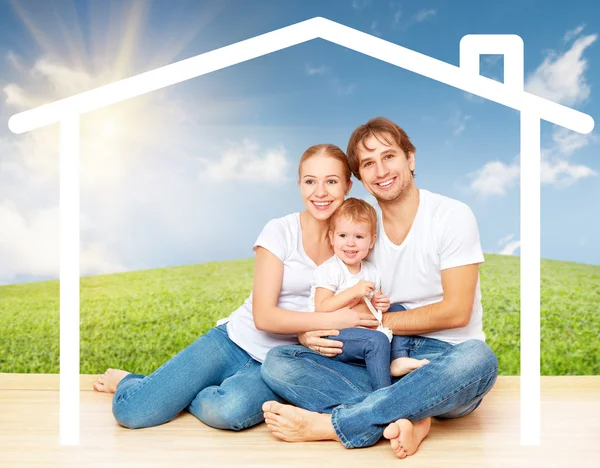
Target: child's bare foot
108, 381
404, 365
293, 424
405, 437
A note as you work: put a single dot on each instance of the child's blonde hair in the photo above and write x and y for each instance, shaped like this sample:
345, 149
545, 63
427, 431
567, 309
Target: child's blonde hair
355, 210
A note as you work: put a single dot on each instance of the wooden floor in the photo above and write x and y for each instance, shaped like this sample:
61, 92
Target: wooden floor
487, 438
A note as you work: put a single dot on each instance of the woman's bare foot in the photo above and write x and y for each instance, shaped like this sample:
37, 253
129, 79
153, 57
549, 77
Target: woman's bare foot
405, 437
293, 424
405, 365
108, 381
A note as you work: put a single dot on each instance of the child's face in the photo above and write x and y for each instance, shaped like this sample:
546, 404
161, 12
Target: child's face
351, 240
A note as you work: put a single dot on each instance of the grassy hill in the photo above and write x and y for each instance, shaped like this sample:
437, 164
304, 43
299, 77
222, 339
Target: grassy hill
138, 320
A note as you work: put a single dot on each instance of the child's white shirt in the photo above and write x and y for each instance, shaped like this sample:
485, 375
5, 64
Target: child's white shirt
334, 275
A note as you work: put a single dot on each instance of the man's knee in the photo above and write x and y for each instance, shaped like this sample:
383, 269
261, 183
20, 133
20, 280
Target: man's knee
278, 365
474, 360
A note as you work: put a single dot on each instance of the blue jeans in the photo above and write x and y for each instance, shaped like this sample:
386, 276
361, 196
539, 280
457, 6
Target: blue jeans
213, 378
374, 349
453, 384
370, 347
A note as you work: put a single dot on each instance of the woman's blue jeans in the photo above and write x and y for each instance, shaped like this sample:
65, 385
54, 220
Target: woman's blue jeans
453, 384
213, 378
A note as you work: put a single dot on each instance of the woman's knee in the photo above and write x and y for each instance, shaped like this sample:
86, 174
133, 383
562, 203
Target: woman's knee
130, 418
225, 410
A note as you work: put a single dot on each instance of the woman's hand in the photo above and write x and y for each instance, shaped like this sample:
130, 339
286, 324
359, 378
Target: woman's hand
381, 302
314, 340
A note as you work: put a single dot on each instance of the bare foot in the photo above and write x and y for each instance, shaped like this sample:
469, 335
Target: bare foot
108, 381
404, 365
293, 424
405, 437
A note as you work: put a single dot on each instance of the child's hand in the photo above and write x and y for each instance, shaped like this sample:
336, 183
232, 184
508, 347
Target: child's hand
380, 302
363, 288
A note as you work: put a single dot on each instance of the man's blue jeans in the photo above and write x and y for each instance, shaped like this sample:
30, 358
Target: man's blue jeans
213, 378
453, 384
373, 348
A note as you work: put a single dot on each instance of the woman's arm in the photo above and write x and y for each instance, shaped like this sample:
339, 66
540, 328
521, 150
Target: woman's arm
268, 276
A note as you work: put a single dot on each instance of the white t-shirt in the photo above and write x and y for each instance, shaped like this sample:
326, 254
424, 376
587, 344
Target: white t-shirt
444, 235
283, 238
335, 276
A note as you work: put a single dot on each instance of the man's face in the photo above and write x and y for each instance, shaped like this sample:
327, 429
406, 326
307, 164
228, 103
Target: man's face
385, 170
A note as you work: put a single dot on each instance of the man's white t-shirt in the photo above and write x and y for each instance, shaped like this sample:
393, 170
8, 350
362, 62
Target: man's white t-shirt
283, 238
334, 275
444, 235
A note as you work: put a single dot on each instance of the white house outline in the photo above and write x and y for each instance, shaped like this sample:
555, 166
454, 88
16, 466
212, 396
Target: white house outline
465, 77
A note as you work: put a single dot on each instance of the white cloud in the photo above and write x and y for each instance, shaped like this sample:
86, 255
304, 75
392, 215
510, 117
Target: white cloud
16, 97
29, 245
567, 141
563, 174
310, 70
397, 16
374, 29
459, 122
495, 178
573, 33
506, 240
560, 78
510, 248
246, 162
424, 14
360, 4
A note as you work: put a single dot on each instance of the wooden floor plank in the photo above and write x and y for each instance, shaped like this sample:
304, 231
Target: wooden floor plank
29, 406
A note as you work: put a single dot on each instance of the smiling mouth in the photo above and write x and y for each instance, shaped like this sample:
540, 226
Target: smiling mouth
350, 253
386, 183
321, 205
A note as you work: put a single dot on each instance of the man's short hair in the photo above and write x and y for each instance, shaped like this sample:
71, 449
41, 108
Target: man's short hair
383, 129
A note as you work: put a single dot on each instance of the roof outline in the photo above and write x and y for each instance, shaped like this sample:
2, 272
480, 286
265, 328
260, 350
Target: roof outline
465, 76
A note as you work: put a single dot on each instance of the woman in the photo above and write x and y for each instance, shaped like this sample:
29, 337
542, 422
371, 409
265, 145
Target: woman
217, 378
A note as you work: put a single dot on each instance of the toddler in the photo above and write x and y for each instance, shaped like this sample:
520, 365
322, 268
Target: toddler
347, 276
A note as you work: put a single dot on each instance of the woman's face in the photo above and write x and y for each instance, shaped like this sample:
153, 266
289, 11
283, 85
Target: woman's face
323, 185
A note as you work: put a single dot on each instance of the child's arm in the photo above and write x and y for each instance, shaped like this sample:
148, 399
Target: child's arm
326, 301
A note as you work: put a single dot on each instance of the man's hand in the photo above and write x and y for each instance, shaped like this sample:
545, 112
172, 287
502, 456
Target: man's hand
380, 302
314, 340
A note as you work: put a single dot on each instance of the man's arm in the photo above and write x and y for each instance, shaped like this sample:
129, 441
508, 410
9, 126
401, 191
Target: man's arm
453, 311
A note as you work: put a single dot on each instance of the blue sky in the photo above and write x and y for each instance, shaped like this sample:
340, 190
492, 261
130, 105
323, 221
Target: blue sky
191, 173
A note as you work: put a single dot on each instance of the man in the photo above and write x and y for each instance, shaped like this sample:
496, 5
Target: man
427, 253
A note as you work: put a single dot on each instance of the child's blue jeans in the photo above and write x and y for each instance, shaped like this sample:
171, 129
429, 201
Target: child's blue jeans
374, 349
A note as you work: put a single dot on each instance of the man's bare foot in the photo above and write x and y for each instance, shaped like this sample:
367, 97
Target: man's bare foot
404, 365
108, 381
293, 424
405, 437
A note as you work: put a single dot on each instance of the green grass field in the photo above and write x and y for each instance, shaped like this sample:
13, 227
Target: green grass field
138, 320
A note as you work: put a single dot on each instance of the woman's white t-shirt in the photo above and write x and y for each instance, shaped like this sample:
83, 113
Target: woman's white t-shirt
444, 235
283, 238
